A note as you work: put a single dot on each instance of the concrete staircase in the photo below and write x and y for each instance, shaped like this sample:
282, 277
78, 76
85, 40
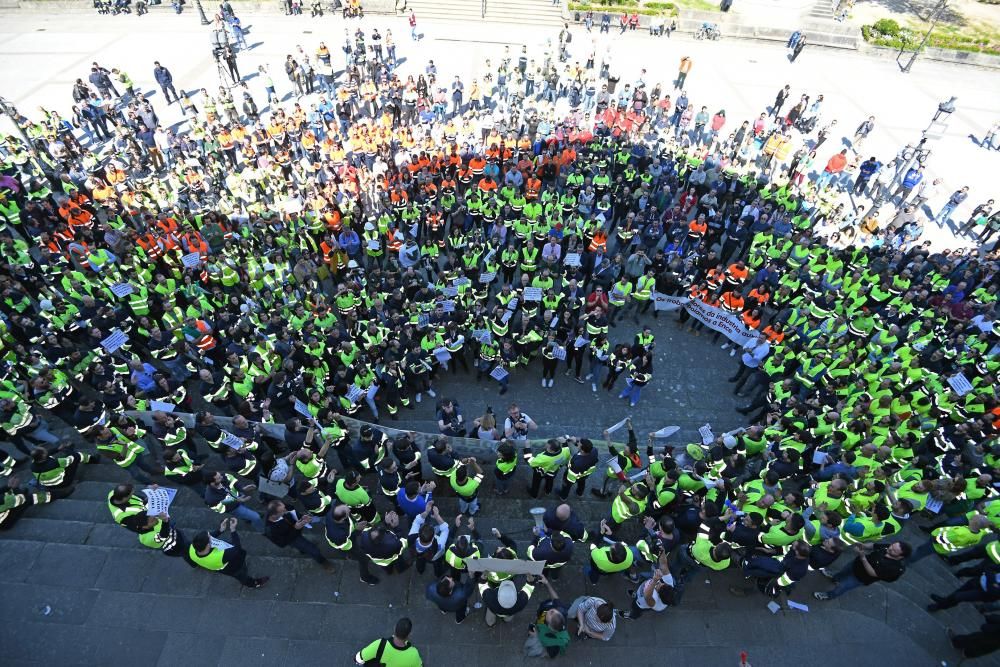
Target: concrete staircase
525, 12
822, 9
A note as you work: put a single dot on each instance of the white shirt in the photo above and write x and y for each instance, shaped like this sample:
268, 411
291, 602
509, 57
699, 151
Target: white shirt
754, 356
508, 424
658, 604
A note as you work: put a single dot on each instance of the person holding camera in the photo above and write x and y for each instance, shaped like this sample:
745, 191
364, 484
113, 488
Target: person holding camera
517, 424
450, 420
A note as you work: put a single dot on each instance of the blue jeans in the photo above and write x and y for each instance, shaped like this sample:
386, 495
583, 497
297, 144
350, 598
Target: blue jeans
243, 512
631, 392
470, 507
945, 213
370, 399
824, 178
845, 580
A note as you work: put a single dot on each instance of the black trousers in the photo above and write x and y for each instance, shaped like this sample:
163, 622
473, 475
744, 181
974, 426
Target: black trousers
536, 481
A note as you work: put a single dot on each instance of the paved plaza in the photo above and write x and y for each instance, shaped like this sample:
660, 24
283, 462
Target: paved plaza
43, 55
77, 590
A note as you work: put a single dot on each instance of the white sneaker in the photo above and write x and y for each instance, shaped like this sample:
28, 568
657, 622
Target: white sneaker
589, 375
545, 383
431, 393
724, 346
419, 396
552, 383
593, 387
732, 353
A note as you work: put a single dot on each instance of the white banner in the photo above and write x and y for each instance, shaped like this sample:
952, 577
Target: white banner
729, 324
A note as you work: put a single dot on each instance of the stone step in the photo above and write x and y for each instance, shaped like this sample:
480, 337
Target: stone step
51, 530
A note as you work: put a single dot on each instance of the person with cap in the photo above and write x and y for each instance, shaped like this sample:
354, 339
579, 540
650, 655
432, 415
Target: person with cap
504, 601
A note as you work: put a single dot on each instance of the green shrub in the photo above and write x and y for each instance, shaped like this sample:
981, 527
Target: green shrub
887, 27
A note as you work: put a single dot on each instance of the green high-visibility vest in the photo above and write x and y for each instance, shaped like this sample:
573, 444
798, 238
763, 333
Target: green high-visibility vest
601, 557
210, 561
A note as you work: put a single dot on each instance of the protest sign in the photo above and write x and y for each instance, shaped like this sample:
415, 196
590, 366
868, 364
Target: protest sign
114, 342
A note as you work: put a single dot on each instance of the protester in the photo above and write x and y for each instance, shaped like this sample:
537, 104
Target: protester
292, 268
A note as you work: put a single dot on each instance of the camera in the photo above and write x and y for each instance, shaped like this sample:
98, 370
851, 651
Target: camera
218, 52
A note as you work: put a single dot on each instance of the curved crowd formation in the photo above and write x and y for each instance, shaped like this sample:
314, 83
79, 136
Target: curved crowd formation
336, 256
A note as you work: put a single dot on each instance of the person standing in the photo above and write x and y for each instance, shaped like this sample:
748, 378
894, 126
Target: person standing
754, 354
506, 600
166, 82
682, 72
395, 651
229, 559
413, 26
595, 617
780, 99
797, 49
956, 200
883, 562
451, 595
860, 134
284, 528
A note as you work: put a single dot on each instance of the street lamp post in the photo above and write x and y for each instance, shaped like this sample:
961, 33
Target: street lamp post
935, 15
914, 154
201, 12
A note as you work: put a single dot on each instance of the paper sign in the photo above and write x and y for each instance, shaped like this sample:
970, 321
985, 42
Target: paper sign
581, 342
487, 277
161, 406
423, 319
798, 605
774, 607
507, 314
819, 457
960, 384
559, 352
271, 488
191, 260
442, 355
532, 293
373, 244
666, 431
707, 437
554, 323
499, 373
572, 259
450, 291
512, 305
113, 343
458, 282
482, 335
158, 500
354, 393
934, 506
219, 544
448, 306
616, 426
302, 409
122, 290
230, 440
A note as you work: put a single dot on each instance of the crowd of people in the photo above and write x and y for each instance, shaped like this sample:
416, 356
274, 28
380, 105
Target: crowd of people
296, 263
